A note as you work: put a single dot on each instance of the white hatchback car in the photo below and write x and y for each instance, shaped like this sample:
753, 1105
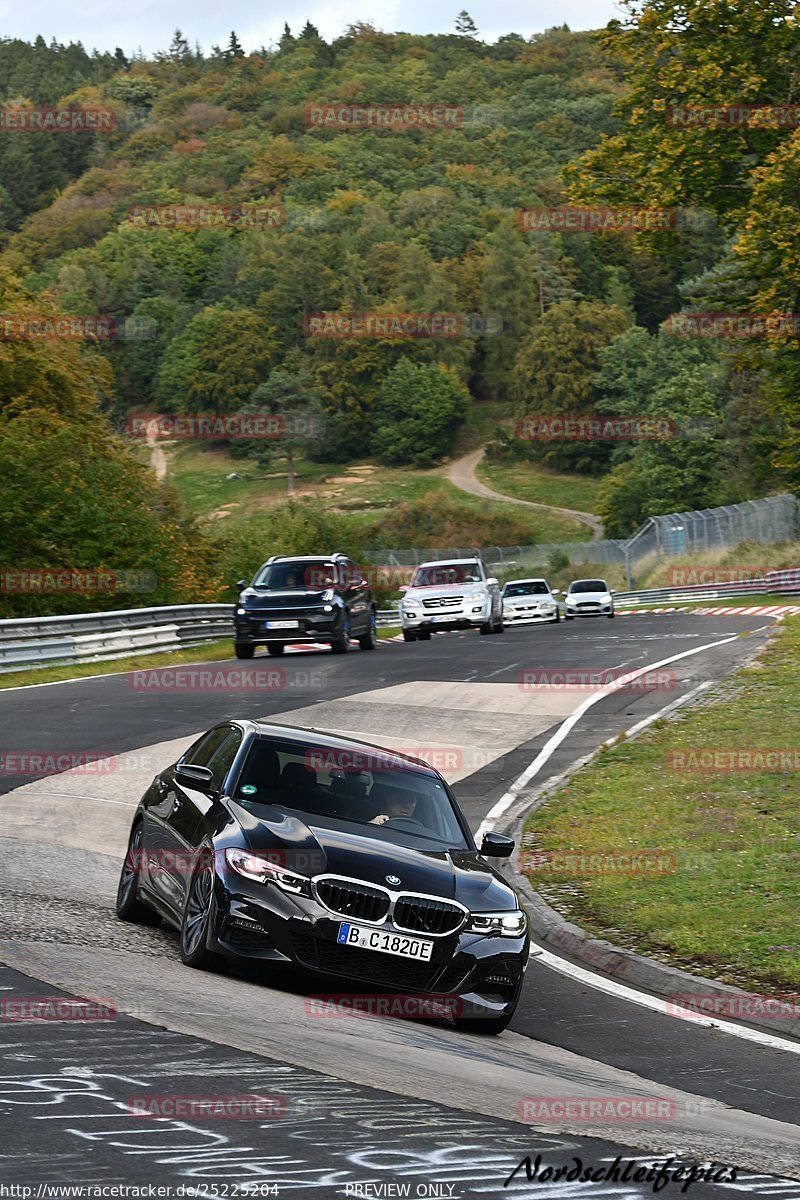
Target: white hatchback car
529, 600
588, 598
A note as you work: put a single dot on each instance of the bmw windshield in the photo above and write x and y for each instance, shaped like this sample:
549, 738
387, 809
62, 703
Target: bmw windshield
379, 791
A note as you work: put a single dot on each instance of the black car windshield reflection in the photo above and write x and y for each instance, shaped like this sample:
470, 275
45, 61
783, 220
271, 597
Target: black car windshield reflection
373, 789
289, 576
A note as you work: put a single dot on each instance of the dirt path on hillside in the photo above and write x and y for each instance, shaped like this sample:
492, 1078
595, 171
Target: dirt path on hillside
461, 473
158, 459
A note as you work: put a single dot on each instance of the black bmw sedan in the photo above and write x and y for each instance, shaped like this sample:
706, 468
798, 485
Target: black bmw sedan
293, 846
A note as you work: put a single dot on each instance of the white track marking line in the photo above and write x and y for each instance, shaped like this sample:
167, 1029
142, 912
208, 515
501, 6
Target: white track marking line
624, 992
600, 982
566, 727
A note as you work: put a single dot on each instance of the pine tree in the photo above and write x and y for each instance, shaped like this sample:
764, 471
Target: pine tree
465, 24
234, 48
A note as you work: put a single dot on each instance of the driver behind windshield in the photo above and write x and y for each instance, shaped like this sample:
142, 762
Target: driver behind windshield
397, 802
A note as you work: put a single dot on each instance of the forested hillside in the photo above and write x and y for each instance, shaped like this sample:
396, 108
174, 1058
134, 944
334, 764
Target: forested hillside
215, 311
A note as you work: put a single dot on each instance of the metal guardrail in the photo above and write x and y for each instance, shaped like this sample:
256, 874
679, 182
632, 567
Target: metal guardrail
786, 582
88, 637
30, 642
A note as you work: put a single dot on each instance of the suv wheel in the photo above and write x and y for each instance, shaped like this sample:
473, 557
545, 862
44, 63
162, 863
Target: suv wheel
487, 627
409, 635
341, 644
275, 648
424, 635
369, 640
243, 649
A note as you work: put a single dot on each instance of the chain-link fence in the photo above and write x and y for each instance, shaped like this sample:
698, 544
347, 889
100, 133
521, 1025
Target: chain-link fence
774, 519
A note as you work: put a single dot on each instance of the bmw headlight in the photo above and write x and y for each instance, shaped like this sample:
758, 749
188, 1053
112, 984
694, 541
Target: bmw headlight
502, 924
263, 870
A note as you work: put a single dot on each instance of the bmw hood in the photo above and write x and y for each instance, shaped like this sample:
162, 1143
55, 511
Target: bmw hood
316, 848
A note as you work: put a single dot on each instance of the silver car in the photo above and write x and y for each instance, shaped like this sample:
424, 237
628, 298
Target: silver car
588, 598
526, 601
457, 593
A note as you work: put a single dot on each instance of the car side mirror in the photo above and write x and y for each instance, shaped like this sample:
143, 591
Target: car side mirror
612, 591
555, 591
403, 587
241, 584
198, 778
497, 845
493, 582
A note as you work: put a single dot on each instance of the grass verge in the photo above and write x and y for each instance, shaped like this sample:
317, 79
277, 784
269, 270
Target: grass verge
726, 903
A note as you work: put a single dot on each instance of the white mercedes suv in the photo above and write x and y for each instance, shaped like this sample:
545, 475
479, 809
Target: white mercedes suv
453, 594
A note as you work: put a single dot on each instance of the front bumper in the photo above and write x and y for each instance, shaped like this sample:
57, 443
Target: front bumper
528, 616
260, 921
458, 618
601, 611
310, 627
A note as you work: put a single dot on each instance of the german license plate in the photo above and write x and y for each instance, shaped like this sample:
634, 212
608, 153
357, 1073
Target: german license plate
281, 624
444, 617
385, 942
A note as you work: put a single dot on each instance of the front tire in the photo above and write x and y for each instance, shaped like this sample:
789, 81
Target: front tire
243, 649
557, 617
369, 640
275, 649
197, 916
341, 644
129, 906
567, 617
409, 635
424, 635
611, 616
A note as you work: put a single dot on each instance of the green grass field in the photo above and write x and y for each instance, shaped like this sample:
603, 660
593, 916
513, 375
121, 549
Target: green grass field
726, 902
528, 481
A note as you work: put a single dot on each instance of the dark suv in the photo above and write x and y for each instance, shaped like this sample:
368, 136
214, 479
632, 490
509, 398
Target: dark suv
324, 598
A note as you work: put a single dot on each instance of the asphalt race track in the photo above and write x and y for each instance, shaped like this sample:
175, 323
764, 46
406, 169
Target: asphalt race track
362, 1103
